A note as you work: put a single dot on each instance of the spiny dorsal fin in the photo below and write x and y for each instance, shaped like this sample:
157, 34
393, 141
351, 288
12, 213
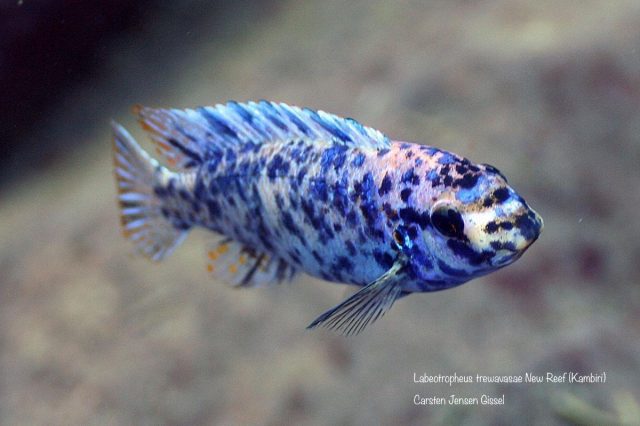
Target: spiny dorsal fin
242, 266
186, 137
367, 305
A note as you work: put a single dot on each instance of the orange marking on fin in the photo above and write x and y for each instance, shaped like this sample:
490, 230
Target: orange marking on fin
163, 145
223, 248
145, 126
172, 161
212, 255
210, 267
233, 268
242, 259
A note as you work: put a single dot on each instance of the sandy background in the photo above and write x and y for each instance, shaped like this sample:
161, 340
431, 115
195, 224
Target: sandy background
548, 92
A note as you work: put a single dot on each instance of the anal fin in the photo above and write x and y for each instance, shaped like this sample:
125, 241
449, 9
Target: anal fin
242, 266
366, 306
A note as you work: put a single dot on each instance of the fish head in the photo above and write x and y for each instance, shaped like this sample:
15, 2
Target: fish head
476, 229
501, 222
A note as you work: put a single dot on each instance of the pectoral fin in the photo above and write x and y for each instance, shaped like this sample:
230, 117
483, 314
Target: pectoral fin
367, 305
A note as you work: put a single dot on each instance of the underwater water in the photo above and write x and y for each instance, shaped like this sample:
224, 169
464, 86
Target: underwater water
549, 93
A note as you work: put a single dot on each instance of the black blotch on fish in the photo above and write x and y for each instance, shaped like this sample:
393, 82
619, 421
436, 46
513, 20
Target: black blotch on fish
405, 194
412, 232
528, 227
501, 195
461, 249
277, 167
301, 174
410, 215
450, 270
342, 263
294, 257
317, 257
467, 181
391, 213
369, 212
214, 209
334, 156
318, 188
160, 192
351, 248
385, 185
352, 219
384, 259
196, 159
218, 123
199, 190
340, 198
410, 177
461, 168
331, 128
214, 189
498, 245
358, 160
171, 186
290, 225
491, 227
490, 168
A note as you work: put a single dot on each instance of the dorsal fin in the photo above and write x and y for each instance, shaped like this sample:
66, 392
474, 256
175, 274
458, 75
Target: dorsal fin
241, 266
187, 137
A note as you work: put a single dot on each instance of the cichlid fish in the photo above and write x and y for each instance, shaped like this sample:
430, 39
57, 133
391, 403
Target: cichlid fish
294, 190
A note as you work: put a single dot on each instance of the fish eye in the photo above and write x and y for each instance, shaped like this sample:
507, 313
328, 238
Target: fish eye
448, 221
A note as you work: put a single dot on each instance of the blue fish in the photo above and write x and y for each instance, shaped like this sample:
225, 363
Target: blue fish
289, 190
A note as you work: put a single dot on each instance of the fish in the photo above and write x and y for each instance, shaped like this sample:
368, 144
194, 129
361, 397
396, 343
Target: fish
288, 190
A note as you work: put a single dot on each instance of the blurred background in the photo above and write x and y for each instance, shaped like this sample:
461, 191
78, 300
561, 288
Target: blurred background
547, 91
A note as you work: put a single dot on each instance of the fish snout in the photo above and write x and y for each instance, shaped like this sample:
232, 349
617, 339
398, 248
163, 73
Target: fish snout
529, 225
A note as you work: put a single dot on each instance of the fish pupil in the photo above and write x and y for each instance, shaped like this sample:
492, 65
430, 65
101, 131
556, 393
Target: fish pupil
448, 222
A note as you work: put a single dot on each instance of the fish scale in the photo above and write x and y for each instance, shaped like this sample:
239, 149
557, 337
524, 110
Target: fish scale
293, 190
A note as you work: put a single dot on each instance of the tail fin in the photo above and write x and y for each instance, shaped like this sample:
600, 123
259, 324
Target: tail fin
140, 209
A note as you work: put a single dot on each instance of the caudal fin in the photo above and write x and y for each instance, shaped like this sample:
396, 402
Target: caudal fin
140, 209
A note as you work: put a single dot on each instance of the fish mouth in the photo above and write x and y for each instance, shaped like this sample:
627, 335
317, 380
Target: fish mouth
506, 257
530, 227
528, 243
